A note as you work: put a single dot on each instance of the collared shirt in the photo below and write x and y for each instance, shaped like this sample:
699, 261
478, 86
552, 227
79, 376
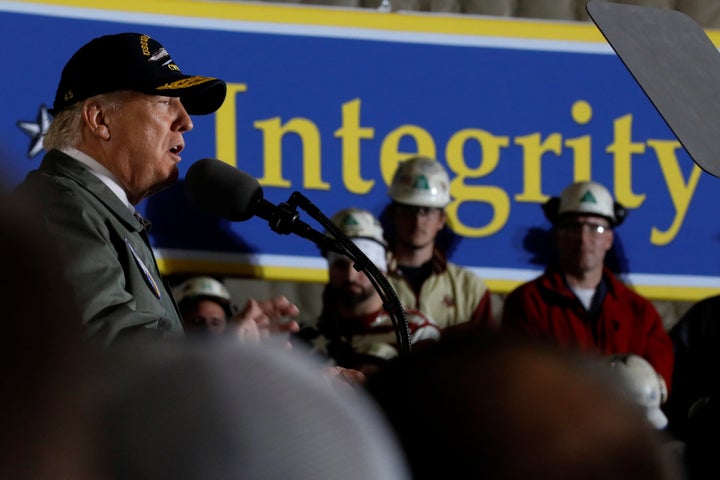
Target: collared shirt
99, 170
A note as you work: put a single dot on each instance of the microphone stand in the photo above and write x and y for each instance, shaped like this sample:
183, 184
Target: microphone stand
285, 220
286, 216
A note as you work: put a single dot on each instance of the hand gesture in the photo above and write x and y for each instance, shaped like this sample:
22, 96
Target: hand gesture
260, 319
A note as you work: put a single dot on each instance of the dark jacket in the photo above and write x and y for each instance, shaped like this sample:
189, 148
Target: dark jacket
696, 337
104, 248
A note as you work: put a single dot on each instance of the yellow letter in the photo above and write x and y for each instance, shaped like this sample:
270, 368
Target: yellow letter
390, 156
273, 133
498, 200
623, 149
680, 192
581, 112
226, 126
533, 151
351, 133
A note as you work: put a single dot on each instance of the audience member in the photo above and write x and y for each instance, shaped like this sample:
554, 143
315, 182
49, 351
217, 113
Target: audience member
578, 302
701, 437
354, 328
181, 410
696, 337
205, 305
121, 110
46, 423
492, 406
420, 241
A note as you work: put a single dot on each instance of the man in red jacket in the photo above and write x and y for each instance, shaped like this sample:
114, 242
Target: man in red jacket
578, 302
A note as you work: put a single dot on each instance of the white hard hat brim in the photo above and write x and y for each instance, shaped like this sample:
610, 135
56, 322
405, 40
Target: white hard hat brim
657, 418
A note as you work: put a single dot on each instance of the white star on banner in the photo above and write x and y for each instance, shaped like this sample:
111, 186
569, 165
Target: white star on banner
36, 130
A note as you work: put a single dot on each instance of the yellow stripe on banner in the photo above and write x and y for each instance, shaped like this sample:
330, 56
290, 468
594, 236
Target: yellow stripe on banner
653, 292
679, 294
173, 266
501, 286
347, 17
361, 18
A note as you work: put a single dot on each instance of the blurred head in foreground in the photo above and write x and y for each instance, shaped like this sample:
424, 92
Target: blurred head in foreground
212, 408
495, 407
46, 427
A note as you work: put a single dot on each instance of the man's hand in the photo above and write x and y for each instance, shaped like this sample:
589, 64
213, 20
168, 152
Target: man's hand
259, 320
348, 375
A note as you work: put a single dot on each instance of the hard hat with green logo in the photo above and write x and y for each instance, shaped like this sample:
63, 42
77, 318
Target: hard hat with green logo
359, 223
365, 232
585, 198
422, 182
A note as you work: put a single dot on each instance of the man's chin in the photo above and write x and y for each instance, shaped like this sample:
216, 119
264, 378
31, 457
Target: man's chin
169, 181
411, 241
353, 296
417, 245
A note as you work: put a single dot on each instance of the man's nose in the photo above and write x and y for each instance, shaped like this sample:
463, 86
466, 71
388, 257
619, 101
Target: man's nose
184, 122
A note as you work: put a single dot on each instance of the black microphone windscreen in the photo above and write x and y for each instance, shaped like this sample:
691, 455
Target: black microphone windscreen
222, 190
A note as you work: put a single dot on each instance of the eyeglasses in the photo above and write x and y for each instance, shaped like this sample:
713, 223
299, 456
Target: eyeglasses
413, 210
577, 228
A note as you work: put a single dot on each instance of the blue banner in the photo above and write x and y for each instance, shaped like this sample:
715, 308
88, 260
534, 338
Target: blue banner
328, 101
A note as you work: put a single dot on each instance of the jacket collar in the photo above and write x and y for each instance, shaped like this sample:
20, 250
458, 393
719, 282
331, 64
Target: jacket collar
100, 171
554, 280
59, 163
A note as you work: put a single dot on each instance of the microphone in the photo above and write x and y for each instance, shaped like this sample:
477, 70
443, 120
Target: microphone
222, 190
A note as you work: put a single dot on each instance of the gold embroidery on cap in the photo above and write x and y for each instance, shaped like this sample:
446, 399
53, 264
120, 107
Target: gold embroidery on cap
184, 83
144, 45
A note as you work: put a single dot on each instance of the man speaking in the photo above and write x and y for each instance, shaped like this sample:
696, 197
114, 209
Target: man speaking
121, 110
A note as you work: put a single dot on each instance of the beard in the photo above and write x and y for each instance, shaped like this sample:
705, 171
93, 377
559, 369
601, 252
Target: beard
351, 293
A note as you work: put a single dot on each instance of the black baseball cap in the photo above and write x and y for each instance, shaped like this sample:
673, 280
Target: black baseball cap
134, 61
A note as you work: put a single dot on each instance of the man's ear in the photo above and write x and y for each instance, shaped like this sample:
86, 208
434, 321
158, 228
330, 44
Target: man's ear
94, 116
443, 217
611, 235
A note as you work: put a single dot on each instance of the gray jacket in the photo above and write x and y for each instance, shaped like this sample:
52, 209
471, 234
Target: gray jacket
105, 250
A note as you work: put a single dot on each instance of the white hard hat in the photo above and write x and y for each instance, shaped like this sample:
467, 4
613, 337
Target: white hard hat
359, 223
589, 198
365, 231
202, 287
422, 182
643, 384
